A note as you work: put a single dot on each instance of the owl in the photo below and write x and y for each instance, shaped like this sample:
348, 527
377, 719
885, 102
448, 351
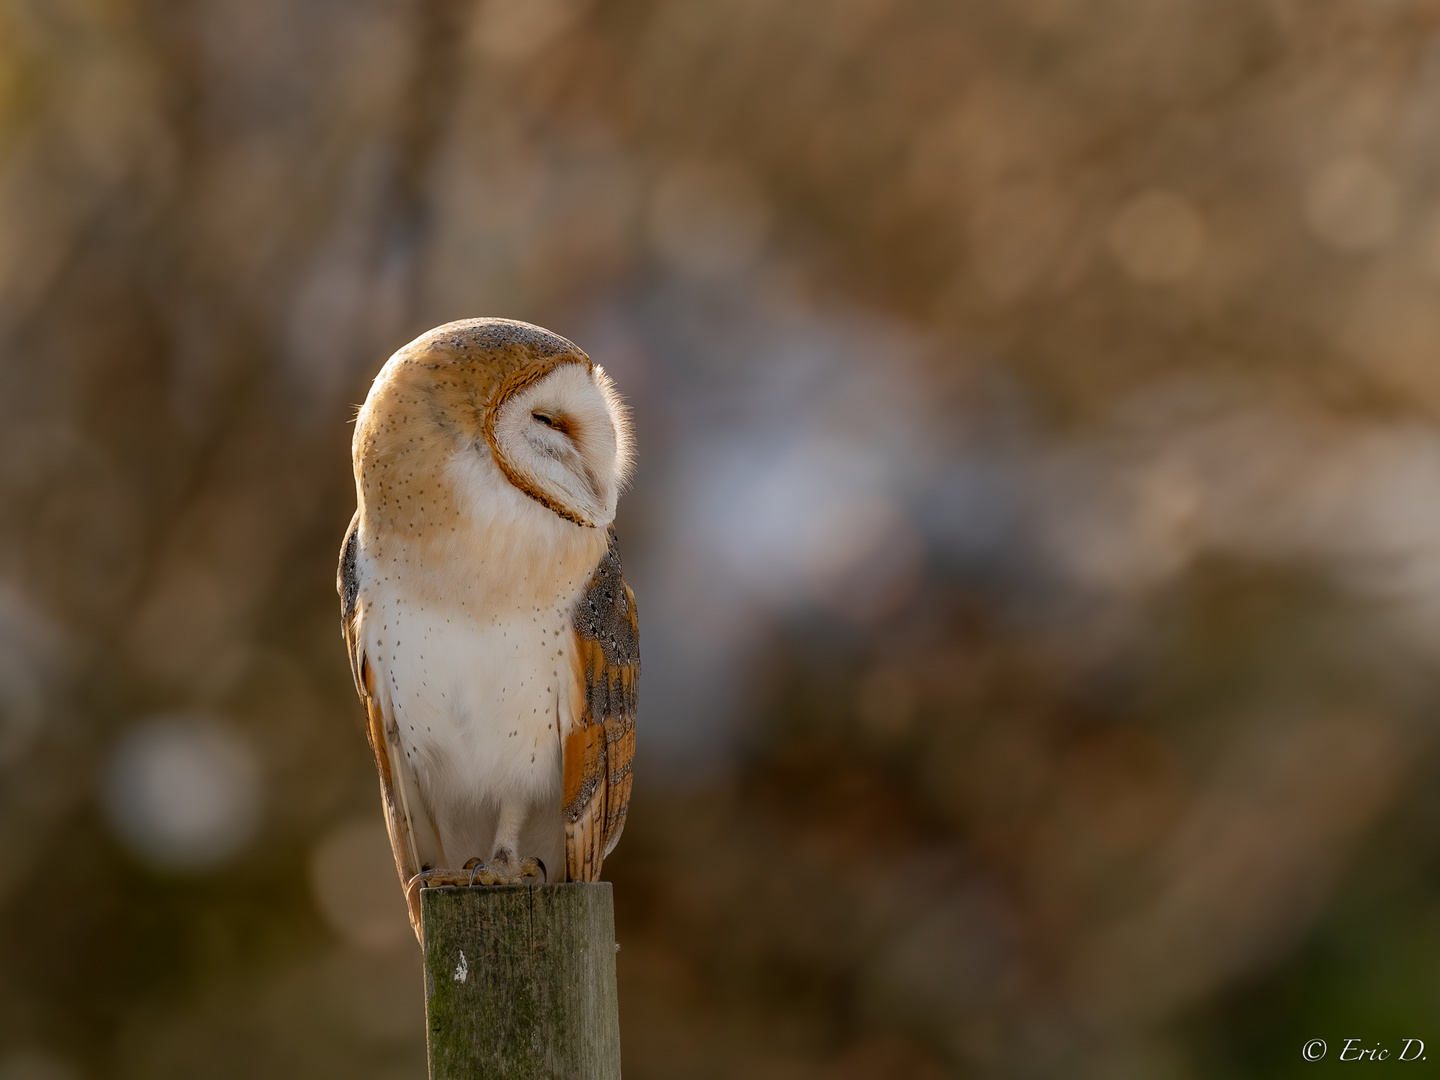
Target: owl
493, 639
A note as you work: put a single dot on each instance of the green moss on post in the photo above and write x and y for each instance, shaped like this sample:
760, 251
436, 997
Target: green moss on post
520, 982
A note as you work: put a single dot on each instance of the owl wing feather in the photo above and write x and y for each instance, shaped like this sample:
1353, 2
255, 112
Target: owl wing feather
601, 745
382, 732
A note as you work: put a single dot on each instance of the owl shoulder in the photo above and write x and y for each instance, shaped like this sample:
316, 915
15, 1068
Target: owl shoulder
606, 612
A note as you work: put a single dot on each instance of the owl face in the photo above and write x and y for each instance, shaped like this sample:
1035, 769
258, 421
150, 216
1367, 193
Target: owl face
489, 421
559, 433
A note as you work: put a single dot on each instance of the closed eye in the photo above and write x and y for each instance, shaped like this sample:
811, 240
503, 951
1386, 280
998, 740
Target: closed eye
556, 423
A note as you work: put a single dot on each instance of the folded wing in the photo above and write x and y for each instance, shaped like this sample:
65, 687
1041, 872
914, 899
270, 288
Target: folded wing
381, 730
601, 745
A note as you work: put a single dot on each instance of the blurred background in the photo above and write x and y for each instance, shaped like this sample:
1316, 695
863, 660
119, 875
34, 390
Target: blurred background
1036, 533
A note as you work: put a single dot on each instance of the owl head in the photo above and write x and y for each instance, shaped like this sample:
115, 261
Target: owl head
548, 416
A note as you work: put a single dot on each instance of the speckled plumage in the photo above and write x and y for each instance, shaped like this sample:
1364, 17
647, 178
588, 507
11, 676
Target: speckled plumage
491, 634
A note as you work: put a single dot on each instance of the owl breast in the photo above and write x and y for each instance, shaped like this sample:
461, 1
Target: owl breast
480, 705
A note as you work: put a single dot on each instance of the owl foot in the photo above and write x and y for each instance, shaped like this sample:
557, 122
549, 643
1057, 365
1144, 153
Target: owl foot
505, 869
499, 872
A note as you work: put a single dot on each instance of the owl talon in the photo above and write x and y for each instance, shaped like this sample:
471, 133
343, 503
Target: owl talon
426, 879
475, 872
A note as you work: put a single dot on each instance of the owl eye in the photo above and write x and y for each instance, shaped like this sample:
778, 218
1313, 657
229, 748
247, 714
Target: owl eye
552, 421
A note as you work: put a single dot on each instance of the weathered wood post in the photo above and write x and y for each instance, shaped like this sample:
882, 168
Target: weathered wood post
520, 982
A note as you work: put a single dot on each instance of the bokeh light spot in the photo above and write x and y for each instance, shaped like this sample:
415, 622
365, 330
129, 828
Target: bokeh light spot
1157, 237
515, 30
1352, 204
183, 793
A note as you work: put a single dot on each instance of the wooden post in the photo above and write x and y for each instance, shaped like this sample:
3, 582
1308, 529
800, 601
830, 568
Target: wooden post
520, 982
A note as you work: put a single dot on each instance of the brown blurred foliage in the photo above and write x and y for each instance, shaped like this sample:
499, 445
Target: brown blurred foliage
1035, 535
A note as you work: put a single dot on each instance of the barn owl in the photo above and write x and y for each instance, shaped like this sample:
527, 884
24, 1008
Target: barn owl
492, 637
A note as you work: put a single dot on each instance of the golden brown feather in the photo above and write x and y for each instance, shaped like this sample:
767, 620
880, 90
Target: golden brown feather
600, 749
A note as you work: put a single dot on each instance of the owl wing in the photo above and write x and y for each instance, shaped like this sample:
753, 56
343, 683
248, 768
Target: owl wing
382, 732
601, 744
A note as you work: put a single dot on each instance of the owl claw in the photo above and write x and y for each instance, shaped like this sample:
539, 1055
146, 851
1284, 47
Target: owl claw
436, 879
475, 872
425, 879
